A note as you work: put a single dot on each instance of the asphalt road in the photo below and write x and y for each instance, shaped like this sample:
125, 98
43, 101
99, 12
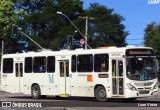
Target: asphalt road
20, 102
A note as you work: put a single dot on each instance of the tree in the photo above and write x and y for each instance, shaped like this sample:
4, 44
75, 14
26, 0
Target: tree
7, 18
44, 25
152, 36
106, 29
50, 30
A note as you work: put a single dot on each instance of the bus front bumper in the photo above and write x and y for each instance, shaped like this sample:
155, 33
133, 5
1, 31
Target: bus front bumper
141, 93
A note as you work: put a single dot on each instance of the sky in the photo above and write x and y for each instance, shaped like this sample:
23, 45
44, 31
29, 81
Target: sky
137, 13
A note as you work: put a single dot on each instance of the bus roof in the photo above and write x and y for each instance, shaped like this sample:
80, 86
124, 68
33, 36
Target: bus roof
74, 52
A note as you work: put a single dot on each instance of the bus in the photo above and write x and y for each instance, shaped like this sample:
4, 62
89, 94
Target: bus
103, 73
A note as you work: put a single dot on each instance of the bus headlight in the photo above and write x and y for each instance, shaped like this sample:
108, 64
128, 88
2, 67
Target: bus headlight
131, 87
155, 86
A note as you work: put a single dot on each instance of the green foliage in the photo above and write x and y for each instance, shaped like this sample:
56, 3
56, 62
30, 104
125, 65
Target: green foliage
39, 20
7, 18
106, 29
152, 36
44, 25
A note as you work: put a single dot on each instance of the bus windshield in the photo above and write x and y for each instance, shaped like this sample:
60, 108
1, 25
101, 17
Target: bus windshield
141, 68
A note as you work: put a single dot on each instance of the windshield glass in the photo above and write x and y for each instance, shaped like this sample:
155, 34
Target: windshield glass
141, 68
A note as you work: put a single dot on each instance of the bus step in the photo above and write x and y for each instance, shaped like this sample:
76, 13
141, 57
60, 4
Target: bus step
64, 95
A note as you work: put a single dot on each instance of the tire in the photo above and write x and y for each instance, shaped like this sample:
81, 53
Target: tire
36, 92
100, 94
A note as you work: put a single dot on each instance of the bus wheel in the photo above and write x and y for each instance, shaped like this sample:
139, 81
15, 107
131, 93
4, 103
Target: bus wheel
35, 91
100, 94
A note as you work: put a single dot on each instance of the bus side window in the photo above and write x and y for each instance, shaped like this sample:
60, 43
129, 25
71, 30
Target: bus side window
8, 65
85, 63
101, 62
74, 63
50, 64
39, 65
28, 65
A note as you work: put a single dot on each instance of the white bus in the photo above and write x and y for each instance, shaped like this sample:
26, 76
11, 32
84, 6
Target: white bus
103, 73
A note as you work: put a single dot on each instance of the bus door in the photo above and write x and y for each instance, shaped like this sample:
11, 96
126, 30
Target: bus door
117, 77
19, 76
64, 77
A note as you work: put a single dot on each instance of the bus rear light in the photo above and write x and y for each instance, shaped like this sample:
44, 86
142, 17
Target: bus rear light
131, 87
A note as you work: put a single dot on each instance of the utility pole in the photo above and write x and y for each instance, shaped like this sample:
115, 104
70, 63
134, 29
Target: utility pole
86, 29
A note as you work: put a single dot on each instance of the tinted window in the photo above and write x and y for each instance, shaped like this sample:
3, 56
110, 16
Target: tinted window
51, 64
8, 65
101, 62
74, 61
39, 64
28, 65
85, 63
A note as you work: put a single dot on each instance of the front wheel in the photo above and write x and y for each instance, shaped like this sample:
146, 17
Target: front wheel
35, 92
100, 94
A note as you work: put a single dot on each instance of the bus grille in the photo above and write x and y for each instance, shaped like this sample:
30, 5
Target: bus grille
145, 88
144, 84
143, 92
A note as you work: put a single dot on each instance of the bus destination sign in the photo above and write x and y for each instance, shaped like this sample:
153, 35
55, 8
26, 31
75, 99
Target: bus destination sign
139, 52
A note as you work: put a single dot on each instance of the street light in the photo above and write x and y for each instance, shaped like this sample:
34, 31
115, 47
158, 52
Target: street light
58, 12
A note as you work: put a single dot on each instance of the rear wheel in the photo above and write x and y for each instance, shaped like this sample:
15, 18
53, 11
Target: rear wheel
36, 92
100, 94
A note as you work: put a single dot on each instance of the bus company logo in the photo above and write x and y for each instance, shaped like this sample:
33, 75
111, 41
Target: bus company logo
154, 2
